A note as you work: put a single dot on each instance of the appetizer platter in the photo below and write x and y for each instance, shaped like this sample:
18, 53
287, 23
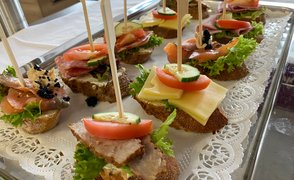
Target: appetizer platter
212, 155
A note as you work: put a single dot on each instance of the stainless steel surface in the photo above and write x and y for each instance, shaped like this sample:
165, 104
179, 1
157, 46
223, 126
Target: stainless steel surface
11, 16
262, 123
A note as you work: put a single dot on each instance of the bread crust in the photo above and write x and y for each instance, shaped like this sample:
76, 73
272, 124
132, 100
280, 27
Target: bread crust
163, 32
138, 57
43, 123
183, 120
235, 74
102, 93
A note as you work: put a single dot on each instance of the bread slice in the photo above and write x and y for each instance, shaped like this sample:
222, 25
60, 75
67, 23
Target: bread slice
139, 57
235, 74
43, 123
183, 120
103, 91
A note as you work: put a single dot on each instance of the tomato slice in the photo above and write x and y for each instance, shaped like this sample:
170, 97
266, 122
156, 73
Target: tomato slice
84, 53
232, 24
248, 3
116, 131
201, 83
160, 16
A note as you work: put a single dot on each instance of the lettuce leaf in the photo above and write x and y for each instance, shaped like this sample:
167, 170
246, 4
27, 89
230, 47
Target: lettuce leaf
235, 58
87, 165
9, 71
249, 14
138, 83
159, 136
31, 111
257, 30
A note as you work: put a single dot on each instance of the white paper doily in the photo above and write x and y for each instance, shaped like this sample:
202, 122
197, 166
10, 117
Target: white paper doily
201, 156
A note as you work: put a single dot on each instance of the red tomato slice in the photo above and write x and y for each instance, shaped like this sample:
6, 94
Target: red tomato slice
249, 3
160, 16
232, 24
110, 130
201, 83
84, 52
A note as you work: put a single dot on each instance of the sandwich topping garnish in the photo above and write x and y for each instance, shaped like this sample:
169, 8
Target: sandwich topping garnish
43, 92
110, 126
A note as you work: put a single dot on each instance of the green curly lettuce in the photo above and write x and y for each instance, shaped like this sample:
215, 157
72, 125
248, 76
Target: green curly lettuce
257, 30
159, 136
9, 71
235, 58
31, 111
153, 42
87, 165
253, 15
138, 83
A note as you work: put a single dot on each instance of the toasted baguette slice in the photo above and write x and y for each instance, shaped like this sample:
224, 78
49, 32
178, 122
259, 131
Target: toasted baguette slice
43, 123
183, 120
236, 74
138, 57
104, 91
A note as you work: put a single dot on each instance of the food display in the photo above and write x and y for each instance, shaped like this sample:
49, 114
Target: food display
163, 23
109, 149
89, 73
37, 106
209, 102
133, 44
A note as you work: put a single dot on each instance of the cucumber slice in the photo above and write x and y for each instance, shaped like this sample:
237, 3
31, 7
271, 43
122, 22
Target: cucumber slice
187, 74
120, 28
228, 15
167, 12
96, 61
128, 118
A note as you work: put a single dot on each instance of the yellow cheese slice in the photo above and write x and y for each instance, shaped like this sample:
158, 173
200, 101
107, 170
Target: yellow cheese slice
154, 89
149, 20
201, 104
173, 24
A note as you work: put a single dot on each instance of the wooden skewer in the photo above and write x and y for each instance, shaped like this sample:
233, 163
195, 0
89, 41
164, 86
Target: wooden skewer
164, 5
224, 9
180, 11
11, 57
125, 16
88, 25
110, 40
200, 32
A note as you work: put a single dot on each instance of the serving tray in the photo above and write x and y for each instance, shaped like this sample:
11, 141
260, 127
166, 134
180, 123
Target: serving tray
201, 156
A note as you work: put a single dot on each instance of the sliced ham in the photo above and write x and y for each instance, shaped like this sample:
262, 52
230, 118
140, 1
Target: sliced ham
72, 68
237, 8
133, 42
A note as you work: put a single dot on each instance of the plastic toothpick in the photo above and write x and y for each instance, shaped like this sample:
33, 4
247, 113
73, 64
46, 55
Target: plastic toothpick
88, 25
110, 40
11, 56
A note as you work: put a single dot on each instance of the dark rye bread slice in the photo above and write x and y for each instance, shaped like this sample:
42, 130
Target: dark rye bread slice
103, 91
235, 74
227, 39
163, 32
117, 152
43, 123
139, 57
183, 120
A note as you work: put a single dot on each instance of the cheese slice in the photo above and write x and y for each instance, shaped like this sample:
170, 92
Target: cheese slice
154, 89
149, 20
201, 104
173, 24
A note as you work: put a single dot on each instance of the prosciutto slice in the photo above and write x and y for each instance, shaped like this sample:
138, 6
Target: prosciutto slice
72, 68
